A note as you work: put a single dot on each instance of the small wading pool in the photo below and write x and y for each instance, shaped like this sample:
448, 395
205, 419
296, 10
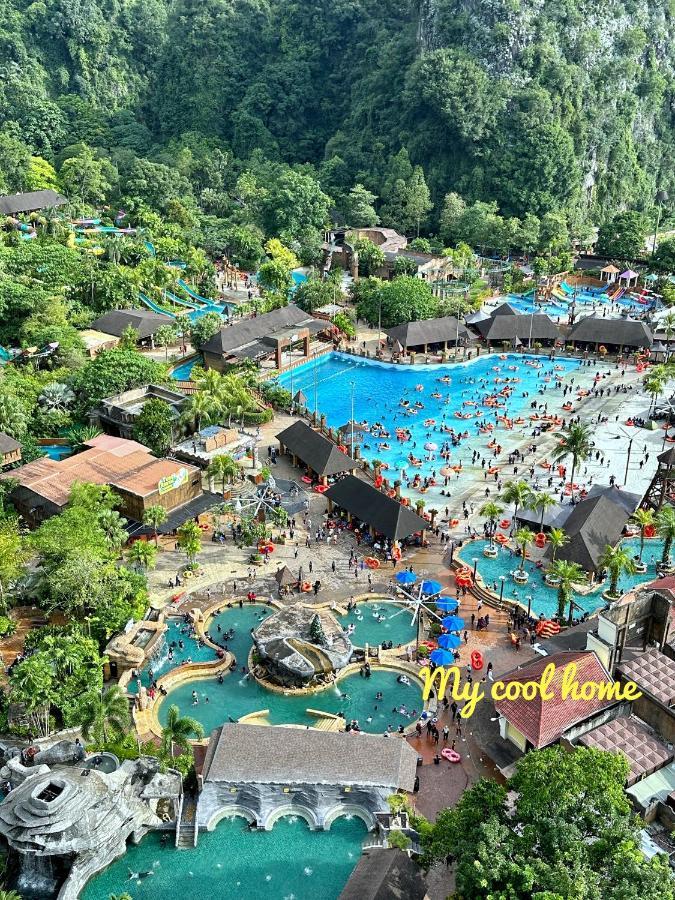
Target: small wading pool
234, 863
375, 621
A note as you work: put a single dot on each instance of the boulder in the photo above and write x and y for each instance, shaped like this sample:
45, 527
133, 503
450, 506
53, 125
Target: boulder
65, 753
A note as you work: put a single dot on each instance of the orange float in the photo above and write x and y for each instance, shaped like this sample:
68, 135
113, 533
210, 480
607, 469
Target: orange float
476, 660
372, 562
378, 481
505, 523
454, 523
540, 539
306, 587
320, 488
650, 531
501, 539
396, 553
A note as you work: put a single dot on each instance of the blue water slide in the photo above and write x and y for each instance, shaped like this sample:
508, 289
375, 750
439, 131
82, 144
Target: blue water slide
179, 302
150, 247
192, 293
154, 306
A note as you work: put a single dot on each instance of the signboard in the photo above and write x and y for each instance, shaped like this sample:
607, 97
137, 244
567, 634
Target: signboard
171, 482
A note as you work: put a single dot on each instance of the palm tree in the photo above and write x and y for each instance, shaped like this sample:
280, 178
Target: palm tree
56, 397
668, 325
541, 501
575, 442
154, 516
665, 527
492, 511
103, 716
199, 408
617, 560
12, 895
178, 730
557, 539
643, 518
190, 540
567, 575
655, 383
112, 524
142, 555
523, 538
518, 493
224, 467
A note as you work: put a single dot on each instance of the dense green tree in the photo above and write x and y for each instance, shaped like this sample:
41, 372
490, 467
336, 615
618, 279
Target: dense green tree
86, 178
623, 237
371, 258
204, 327
154, 426
112, 372
360, 207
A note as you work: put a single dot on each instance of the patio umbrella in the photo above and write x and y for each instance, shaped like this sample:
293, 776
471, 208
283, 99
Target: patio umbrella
406, 577
453, 623
430, 446
449, 641
442, 657
446, 604
431, 587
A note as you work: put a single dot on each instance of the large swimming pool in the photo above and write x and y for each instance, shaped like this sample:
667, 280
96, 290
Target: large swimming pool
442, 394
544, 597
234, 863
240, 694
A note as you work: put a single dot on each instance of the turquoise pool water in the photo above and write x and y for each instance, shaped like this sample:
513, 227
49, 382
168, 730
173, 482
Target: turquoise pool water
545, 598
239, 694
379, 389
182, 371
161, 664
368, 629
56, 451
587, 300
236, 864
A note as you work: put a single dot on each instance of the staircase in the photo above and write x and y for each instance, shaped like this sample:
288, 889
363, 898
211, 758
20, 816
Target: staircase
186, 831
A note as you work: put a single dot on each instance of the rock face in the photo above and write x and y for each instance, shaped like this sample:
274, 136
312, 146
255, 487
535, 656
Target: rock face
298, 644
63, 753
68, 814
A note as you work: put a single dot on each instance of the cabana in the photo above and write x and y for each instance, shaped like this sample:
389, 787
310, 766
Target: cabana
381, 514
441, 333
596, 331
314, 450
609, 273
629, 277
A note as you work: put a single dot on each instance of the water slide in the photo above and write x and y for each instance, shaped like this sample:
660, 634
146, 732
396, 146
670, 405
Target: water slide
179, 302
195, 296
566, 288
150, 247
155, 307
5, 355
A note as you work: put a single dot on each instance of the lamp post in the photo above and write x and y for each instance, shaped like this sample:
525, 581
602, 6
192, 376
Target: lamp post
661, 198
502, 579
352, 386
475, 566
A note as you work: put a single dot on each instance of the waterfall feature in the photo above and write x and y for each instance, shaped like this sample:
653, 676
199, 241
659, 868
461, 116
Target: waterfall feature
37, 880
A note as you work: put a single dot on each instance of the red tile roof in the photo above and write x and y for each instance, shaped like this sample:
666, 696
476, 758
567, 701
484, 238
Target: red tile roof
544, 721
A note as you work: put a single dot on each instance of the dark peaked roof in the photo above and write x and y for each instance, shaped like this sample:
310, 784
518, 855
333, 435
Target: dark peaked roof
623, 332
144, 321
591, 526
11, 204
428, 331
507, 325
386, 515
667, 457
231, 337
8, 444
314, 449
385, 875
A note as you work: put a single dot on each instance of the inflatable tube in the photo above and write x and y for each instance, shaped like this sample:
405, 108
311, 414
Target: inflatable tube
505, 523
451, 755
306, 587
372, 562
476, 660
320, 488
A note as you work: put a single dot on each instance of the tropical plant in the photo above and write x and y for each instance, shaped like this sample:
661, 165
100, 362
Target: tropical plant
655, 383
557, 538
224, 467
643, 518
541, 501
491, 511
523, 538
79, 435
665, 527
618, 561
517, 493
154, 516
56, 397
575, 442
190, 540
179, 730
142, 555
200, 408
13, 556
103, 716
112, 525
567, 575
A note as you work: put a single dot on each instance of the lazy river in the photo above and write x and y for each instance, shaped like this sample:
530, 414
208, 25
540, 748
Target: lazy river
239, 694
234, 863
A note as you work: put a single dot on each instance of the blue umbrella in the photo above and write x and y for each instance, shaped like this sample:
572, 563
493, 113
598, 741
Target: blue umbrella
446, 604
431, 587
449, 641
453, 623
442, 657
405, 577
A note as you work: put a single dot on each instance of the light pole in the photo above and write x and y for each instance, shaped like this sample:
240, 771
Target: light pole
661, 198
475, 566
352, 386
502, 579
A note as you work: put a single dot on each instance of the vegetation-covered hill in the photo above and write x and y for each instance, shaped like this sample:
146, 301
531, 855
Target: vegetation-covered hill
536, 105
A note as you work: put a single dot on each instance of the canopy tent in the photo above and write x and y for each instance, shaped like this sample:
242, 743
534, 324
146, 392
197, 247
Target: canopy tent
629, 276
609, 273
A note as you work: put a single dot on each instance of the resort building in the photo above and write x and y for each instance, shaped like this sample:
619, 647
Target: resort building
114, 323
265, 337
32, 201
384, 874
595, 331
10, 450
313, 450
117, 415
97, 341
382, 515
505, 325
266, 772
429, 334
137, 476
